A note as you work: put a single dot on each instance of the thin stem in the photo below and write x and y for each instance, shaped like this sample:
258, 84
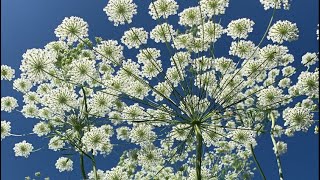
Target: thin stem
94, 167
275, 146
257, 162
199, 151
83, 172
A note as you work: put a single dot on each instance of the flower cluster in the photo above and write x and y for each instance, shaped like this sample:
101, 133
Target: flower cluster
167, 105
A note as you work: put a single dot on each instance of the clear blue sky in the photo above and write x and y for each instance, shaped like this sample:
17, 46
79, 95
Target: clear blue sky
30, 24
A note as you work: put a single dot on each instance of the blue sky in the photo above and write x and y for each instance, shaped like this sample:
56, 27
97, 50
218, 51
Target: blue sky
31, 24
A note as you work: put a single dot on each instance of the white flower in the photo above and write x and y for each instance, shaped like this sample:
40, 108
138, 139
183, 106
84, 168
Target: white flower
283, 31
162, 8
281, 148
116, 173
244, 137
56, 143
174, 76
100, 175
298, 118
134, 37
288, 71
164, 89
274, 55
139, 90
223, 64
82, 70
148, 55
214, 7
182, 41
308, 83
270, 97
162, 33
72, 29
180, 60
120, 11
22, 84
142, 134
7, 73
56, 46
285, 83
41, 129
149, 156
97, 140
198, 45
61, 99
31, 98
240, 28
30, 110
211, 31
151, 69
102, 103
123, 133
133, 112
190, 16
242, 49
309, 59
275, 4
129, 68
180, 132
109, 51
64, 164
8, 104
37, 64
23, 149
5, 129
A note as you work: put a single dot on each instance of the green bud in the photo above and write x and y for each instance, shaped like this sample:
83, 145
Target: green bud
37, 174
98, 40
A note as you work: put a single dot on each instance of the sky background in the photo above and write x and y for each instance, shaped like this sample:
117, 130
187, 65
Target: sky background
30, 24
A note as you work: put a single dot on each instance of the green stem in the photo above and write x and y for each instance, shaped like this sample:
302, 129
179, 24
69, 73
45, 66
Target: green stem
94, 168
257, 162
199, 151
83, 172
275, 146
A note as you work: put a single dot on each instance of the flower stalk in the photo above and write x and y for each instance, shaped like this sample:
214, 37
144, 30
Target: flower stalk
275, 146
198, 150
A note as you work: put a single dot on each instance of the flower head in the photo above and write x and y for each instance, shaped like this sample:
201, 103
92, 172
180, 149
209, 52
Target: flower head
134, 37
8, 104
214, 7
23, 149
240, 28
283, 31
120, 11
162, 8
7, 73
72, 29
297, 118
275, 4
64, 164
5, 129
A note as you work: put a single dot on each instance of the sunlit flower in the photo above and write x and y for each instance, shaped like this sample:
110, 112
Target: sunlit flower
134, 37
120, 11
72, 29
240, 28
64, 164
7, 73
8, 104
5, 129
283, 31
162, 8
23, 149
